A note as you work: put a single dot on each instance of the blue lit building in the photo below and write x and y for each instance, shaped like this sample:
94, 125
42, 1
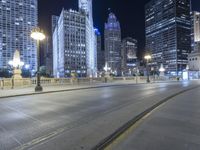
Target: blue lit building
17, 19
112, 43
168, 33
69, 45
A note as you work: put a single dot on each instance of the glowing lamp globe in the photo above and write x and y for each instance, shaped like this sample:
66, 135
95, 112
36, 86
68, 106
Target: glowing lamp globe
38, 35
162, 69
147, 57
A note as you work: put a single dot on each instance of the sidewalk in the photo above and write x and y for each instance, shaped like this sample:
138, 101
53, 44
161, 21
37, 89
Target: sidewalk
6, 93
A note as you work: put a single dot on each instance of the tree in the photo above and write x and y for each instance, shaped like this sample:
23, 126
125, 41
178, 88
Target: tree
5, 73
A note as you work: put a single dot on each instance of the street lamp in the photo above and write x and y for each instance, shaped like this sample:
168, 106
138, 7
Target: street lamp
38, 35
107, 69
147, 58
162, 70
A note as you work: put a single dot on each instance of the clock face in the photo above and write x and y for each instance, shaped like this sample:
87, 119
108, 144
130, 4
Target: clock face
131, 54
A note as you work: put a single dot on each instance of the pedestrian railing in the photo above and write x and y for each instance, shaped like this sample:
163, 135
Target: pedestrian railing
9, 83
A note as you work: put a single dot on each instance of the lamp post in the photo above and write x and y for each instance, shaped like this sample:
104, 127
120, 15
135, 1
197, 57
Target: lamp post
147, 58
38, 35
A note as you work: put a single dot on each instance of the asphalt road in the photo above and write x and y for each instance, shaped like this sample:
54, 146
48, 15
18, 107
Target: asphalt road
174, 126
75, 120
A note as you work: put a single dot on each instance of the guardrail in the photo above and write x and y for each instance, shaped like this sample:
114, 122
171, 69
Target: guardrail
6, 83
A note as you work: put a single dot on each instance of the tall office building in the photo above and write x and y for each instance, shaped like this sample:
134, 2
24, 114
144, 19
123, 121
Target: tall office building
54, 23
168, 30
195, 21
85, 6
194, 57
69, 45
17, 19
112, 42
100, 52
79, 39
128, 55
47, 53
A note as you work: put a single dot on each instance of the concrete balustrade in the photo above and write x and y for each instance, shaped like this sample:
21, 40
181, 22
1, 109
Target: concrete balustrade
7, 83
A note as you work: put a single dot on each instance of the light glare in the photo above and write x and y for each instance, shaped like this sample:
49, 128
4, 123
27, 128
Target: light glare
38, 36
147, 57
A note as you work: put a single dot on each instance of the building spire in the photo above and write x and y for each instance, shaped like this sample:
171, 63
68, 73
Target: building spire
109, 10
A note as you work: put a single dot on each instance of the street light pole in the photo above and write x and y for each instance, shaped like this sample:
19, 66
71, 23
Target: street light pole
148, 80
38, 36
147, 57
38, 87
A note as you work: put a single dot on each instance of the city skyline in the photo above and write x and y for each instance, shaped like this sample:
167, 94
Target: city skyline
134, 27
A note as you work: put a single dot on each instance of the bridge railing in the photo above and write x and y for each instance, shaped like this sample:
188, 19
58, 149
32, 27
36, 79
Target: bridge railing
27, 82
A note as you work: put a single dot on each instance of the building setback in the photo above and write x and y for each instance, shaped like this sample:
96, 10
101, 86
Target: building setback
112, 43
69, 45
17, 19
128, 55
168, 30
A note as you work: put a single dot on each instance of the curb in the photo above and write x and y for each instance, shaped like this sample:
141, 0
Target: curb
76, 89
65, 90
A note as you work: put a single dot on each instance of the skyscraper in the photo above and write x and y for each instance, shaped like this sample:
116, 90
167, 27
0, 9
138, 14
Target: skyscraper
168, 32
195, 21
112, 42
194, 56
47, 55
54, 22
69, 45
85, 6
80, 42
128, 54
17, 19
100, 52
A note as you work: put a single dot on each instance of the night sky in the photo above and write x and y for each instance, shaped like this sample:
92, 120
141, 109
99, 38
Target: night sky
130, 13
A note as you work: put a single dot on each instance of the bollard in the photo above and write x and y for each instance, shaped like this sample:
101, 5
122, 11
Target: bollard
12, 83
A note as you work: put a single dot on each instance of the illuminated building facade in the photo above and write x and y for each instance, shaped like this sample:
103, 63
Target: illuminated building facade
168, 33
100, 52
112, 42
69, 45
17, 19
47, 55
195, 19
74, 42
128, 55
54, 22
194, 57
85, 6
